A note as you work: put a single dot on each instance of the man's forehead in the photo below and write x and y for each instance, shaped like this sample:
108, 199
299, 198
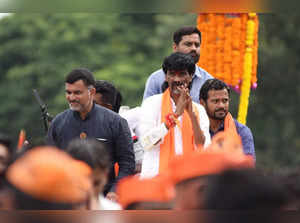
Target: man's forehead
217, 93
76, 84
178, 71
191, 37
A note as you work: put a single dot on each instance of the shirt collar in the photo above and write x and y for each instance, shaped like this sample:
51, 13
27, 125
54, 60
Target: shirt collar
221, 128
77, 115
197, 72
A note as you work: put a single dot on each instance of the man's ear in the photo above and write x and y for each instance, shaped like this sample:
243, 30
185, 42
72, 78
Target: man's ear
93, 91
202, 102
174, 47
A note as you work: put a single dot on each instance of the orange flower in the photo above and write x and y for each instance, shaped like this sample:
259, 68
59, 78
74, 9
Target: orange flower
224, 45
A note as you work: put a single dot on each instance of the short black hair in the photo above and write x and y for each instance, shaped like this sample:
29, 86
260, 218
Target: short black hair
90, 151
81, 74
110, 94
183, 31
212, 84
246, 189
178, 62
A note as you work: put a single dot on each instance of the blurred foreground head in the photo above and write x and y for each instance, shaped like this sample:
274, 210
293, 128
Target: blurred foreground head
145, 194
46, 178
6, 152
244, 190
96, 156
245, 196
190, 173
290, 179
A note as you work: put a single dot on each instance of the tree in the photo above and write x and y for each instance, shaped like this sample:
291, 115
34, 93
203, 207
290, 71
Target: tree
37, 51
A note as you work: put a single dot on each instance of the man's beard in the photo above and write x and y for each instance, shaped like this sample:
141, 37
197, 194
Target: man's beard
80, 107
218, 117
195, 56
77, 107
175, 84
215, 117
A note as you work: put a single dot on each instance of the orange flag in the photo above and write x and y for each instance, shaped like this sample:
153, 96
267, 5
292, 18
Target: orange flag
22, 138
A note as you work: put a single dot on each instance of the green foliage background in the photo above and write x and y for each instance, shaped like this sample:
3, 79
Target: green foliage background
38, 50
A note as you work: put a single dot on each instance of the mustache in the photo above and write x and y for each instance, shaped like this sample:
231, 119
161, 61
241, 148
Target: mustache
221, 109
178, 83
74, 101
193, 53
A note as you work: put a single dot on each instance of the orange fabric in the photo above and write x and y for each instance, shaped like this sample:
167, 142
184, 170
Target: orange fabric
206, 163
116, 169
225, 152
231, 144
49, 174
196, 164
22, 138
133, 189
229, 139
167, 148
229, 124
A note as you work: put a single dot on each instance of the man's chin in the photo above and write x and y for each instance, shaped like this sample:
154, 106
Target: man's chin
175, 91
196, 59
219, 117
74, 108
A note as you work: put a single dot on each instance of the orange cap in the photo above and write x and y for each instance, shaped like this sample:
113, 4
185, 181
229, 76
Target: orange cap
225, 152
49, 174
230, 144
133, 189
196, 164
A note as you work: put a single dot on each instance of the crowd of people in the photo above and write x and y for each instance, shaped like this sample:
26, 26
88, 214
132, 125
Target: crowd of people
181, 149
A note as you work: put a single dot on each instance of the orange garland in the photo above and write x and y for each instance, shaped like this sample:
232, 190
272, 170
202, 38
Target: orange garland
223, 47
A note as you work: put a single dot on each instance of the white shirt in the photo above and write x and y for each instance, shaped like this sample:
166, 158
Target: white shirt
149, 122
132, 117
106, 204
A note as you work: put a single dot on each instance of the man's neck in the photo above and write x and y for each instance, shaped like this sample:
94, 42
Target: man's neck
83, 114
215, 124
175, 98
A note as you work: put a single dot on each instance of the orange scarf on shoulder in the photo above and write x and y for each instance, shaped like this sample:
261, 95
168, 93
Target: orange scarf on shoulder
229, 124
167, 148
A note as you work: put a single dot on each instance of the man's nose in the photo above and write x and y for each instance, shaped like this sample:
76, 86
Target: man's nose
177, 78
221, 105
71, 97
193, 47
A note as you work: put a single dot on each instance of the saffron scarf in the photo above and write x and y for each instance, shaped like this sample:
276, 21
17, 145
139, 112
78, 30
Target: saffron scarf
167, 148
228, 139
229, 124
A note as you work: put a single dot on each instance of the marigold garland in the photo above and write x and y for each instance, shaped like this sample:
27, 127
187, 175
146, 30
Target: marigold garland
224, 46
248, 69
229, 51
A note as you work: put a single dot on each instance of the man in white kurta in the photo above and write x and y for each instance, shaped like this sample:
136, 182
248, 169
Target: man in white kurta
153, 130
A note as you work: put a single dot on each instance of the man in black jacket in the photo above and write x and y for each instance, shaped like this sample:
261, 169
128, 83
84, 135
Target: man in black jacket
85, 119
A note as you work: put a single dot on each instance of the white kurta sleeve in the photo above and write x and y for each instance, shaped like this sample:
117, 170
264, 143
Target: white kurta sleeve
150, 128
204, 124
